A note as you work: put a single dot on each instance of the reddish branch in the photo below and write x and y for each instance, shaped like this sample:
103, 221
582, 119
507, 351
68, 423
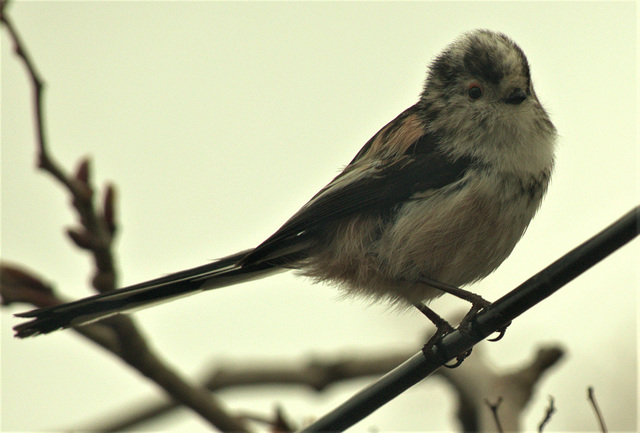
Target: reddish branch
95, 234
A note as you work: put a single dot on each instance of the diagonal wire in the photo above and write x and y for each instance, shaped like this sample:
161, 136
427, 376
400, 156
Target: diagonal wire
497, 316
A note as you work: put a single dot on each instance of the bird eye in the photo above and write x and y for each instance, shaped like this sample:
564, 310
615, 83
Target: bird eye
474, 91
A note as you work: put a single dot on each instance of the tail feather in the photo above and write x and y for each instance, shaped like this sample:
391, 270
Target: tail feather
221, 273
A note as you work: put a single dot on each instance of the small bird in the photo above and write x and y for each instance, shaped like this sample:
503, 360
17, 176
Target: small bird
435, 200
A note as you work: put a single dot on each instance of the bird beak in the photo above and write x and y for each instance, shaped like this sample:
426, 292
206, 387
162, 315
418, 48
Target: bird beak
516, 96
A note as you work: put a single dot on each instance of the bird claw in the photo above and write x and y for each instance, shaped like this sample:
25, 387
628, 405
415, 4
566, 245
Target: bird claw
440, 333
459, 359
470, 316
500, 332
442, 329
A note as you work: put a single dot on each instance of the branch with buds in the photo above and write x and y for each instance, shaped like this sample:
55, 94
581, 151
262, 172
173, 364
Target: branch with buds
97, 227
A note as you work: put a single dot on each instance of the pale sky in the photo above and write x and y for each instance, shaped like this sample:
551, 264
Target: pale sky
217, 121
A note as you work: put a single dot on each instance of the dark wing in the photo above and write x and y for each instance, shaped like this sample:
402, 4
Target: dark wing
366, 185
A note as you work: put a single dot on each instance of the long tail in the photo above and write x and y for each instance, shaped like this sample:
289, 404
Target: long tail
224, 272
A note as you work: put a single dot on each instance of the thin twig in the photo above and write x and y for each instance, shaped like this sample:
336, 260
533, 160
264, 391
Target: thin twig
494, 410
95, 227
551, 409
592, 398
96, 236
44, 161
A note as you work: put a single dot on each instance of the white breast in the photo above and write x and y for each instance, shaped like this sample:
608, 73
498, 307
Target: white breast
460, 235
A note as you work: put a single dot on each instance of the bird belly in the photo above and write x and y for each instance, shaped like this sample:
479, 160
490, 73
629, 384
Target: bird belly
456, 236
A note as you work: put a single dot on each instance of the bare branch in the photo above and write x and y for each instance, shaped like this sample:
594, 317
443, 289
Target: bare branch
44, 161
79, 187
19, 285
551, 409
317, 374
117, 334
592, 398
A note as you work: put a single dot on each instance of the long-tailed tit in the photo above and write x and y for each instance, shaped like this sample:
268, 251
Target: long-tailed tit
441, 194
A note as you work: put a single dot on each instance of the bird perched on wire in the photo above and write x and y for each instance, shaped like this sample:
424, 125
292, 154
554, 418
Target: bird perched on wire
437, 199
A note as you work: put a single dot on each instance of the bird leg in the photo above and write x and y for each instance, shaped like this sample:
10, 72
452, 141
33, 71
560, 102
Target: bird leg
442, 328
477, 303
